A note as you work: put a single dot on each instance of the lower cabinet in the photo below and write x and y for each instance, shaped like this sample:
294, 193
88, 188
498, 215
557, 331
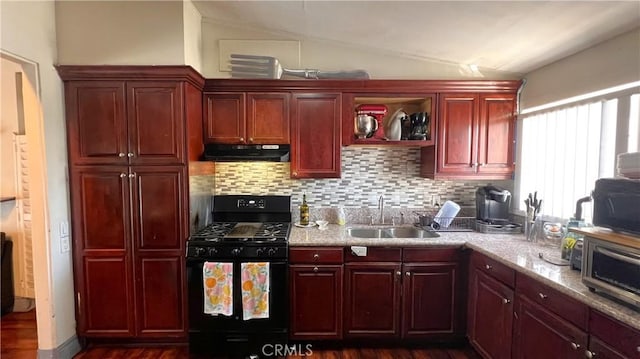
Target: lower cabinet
315, 276
490, 315
611, 339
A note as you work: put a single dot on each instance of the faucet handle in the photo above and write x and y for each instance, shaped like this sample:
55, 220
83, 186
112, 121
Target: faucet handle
371, 220
401, 218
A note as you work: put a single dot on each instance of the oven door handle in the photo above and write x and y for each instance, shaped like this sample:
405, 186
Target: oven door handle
628, 257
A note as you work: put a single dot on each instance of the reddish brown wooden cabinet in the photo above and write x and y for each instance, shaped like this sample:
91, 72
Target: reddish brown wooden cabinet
315, 277
247, 118
129, 142
315, 135
611, 339
475, 137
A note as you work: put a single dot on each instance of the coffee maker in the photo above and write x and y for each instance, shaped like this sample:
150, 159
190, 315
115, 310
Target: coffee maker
492, 205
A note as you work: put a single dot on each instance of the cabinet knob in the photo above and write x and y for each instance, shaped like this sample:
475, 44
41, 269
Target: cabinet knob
294, 174
488, 267
123, 175
250, 139
316, 256
315, 269
130, 154
506, 301
589, 354
542, 296
575, 346
241, 139
398, 273
131, 175
481, 164
121, 154
408, 274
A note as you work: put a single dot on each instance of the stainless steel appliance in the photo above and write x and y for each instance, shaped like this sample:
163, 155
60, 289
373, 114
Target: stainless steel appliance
492, 211
365, 126
245, 229
612, 266
615, 204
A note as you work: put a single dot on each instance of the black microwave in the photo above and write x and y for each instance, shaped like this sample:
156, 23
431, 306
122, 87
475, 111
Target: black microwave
616, 204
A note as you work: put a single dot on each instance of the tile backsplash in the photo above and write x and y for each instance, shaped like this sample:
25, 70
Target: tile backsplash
367, 173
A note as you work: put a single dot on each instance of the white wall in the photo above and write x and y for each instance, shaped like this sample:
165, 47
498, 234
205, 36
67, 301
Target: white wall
192, 36
610, 63
120, 32
329, 56
29, 33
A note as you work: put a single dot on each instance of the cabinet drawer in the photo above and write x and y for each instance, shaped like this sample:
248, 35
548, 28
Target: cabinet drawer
494, 268
431, 254
375, 254
625, 339
551, 299
320, 255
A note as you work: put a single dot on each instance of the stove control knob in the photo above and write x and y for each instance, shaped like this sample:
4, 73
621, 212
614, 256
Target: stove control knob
272, 251
213, 252
199, 251
260, 251
236, 251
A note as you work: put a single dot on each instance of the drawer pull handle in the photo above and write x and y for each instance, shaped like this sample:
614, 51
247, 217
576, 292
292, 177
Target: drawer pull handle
589, 354
542, 296
315, 269
506, 301
316, 256
575, 346
489, 267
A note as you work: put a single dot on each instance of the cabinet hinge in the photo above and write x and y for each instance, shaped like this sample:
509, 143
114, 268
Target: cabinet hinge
79, 303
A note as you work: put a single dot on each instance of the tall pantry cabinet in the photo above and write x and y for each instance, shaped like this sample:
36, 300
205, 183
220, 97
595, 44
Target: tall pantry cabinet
131, 131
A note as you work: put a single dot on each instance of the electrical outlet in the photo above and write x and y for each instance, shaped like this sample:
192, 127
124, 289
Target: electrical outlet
435, 200
64, 229
64, 244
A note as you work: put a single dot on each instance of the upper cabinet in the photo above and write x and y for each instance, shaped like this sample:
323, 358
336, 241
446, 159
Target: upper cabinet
247, 117
368, 119
475, 137
315, 135
125, 122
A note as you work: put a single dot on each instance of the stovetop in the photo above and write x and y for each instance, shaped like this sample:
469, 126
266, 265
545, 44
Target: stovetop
242, 232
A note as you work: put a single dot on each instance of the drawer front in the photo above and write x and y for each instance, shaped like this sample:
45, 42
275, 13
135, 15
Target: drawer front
494, 268
625, 339
320, 255
431, 254
551, 299
374, 254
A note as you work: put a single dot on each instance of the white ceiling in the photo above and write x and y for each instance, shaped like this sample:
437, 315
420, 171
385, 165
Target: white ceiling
512, 36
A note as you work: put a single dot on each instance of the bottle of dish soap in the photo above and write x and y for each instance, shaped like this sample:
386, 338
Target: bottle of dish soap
342, 217
304, 211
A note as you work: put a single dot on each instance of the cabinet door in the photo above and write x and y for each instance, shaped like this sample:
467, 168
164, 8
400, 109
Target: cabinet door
96, 122
496, 134
156, 122
224, 117
599, 349
159, 208
315, 134
457, 131
541, 334
161, 305
430, 298
372, 300
316, 301
101, 247
268, 118
490, 317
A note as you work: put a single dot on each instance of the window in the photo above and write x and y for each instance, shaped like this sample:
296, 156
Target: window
567, 146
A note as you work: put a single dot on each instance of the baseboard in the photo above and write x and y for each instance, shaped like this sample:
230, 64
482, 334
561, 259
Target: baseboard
66, 350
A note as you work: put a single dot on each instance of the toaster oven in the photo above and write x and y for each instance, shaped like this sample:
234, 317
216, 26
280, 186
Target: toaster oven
613, 267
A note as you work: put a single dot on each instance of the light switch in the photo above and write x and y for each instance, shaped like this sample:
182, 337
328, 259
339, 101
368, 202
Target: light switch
64, 229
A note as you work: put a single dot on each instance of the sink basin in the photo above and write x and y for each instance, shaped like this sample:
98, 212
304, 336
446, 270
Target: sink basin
391, 232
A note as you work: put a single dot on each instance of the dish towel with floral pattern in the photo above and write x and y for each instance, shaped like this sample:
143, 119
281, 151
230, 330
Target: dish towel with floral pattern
255, 290
218, 288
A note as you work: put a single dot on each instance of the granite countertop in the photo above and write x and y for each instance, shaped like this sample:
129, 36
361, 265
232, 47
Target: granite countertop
511, 249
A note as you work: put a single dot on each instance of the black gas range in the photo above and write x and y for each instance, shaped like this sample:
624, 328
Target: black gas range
245, 230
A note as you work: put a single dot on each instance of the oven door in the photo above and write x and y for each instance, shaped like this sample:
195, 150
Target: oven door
278, 302
613, 269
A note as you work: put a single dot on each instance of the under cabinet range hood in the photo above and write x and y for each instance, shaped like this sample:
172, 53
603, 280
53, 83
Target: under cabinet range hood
242, 153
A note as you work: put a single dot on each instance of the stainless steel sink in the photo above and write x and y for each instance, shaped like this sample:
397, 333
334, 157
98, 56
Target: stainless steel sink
391, 232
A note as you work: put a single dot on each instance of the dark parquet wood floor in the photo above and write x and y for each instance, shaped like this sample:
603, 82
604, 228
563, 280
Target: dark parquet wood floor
19, 341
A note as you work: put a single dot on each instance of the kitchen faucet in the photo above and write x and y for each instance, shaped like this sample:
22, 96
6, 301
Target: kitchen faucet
381, 208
